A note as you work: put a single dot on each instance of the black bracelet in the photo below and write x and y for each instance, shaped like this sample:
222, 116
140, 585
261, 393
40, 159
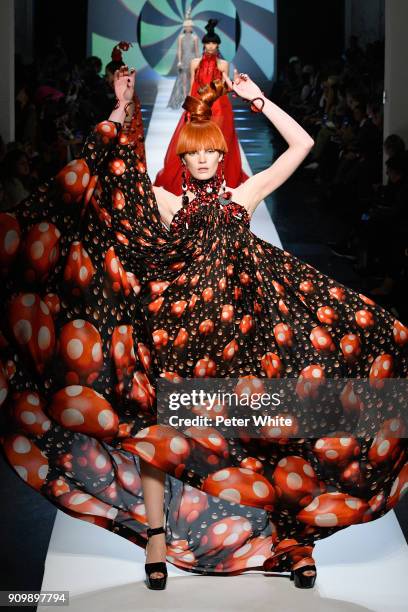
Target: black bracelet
254, 108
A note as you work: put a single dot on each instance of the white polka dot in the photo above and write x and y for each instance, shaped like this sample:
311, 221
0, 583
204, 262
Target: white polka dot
23, 331
43, 471
214, 439
34, 400
73, 390
21, 471
122, 329
313, 505
326, 520
345, 441
331, 454
28, 299
142, 433
308, 470
11, 242
255, 561
119, 350
44, 227
105, 419
383, 448
44, 338
72, 416
319, 444
316, 373
394, 425
44, 308
220, 528
282, 462
242, 551
71, 178
97, 351
322, 340
223, 475
78, 323
260, 489
112, 513
294, 481
79, 498
231, 539
85, 179
354, 504
231, 495
75, 348
37, 250
114, 265
21, 445
83, 273
146, 449
128, 478
28, 417
100, 461
386, 365
178, 445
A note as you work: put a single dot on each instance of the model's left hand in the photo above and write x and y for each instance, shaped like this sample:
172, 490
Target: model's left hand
124, 83
243, 86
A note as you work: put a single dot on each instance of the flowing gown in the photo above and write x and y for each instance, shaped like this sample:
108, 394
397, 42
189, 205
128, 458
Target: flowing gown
100, 302
170, 176
182, 83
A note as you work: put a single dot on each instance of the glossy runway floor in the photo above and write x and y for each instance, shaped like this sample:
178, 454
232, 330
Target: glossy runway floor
361, 569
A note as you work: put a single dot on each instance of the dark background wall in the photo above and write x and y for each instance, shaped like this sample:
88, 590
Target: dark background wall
310, 29
60, 17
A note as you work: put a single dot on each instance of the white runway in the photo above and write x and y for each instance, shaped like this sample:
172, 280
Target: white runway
361, 569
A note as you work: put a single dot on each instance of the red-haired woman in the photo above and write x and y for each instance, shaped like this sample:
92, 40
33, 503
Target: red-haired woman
209, 67
241, 308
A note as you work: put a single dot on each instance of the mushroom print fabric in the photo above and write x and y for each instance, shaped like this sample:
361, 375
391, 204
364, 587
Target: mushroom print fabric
100, 301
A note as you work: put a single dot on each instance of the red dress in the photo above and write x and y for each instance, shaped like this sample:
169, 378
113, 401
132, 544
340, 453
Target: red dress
170, 177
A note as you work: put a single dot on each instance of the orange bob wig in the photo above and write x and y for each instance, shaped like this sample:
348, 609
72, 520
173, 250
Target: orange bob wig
200, 132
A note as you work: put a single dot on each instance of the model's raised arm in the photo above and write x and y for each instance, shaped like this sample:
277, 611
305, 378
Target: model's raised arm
124, 83
257, 187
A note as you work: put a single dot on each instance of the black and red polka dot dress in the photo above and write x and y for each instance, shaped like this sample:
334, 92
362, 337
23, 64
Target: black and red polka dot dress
101, 302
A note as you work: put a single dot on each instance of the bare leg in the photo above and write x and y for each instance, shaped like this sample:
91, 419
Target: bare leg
153, 493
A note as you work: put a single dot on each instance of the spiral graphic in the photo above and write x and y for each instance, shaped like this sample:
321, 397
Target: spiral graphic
247, 29
160, 23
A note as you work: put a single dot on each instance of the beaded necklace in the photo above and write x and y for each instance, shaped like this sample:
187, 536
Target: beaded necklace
206, 191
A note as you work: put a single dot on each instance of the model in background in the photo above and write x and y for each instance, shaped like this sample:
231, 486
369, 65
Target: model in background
187, 50
205, 69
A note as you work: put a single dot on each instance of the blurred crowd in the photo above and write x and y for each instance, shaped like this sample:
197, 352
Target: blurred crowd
56, 104
340, 103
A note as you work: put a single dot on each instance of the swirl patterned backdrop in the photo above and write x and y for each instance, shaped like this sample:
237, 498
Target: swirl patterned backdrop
247, 29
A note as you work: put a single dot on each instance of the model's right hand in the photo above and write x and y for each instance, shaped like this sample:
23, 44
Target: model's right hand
243, 86
124, 83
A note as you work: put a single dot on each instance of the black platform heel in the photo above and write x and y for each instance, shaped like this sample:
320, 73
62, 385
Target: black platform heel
301, 580
157, 584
